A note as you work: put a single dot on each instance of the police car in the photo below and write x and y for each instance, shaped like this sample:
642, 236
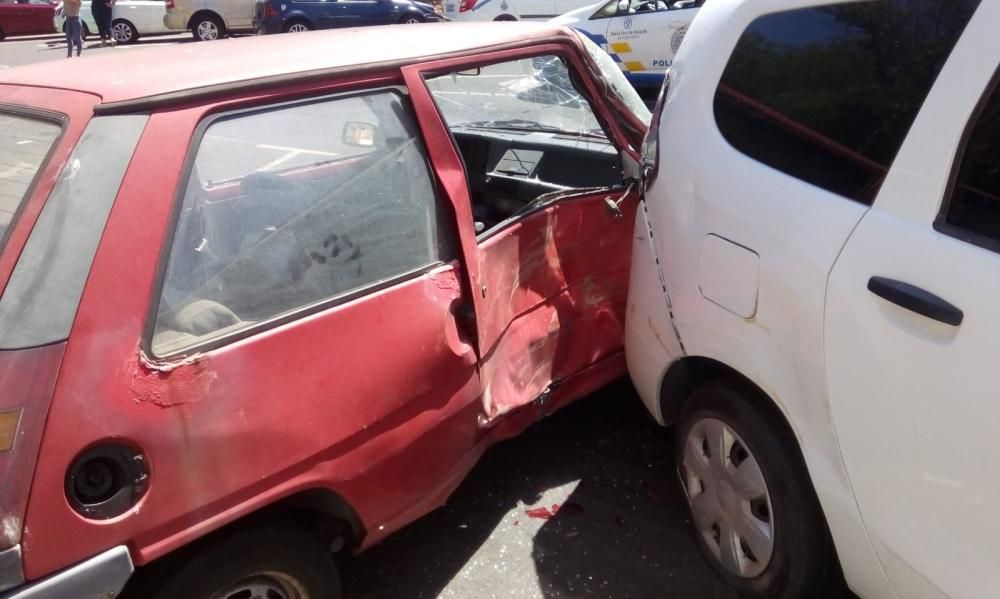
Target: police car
641, 35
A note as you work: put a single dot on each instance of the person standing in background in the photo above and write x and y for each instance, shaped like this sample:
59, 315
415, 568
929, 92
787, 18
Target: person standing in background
74, 28
101, 9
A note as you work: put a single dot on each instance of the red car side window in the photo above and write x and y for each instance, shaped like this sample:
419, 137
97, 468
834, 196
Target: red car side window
289, 207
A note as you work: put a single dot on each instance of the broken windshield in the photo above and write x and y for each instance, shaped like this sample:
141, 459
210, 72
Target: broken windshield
617, 83
532, 94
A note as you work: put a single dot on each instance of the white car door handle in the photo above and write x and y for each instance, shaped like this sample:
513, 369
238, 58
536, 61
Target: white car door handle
916, 300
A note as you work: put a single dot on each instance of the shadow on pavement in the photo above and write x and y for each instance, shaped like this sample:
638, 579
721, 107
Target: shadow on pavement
619, 527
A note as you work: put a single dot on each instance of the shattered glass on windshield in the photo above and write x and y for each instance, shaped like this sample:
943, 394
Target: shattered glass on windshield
532, 94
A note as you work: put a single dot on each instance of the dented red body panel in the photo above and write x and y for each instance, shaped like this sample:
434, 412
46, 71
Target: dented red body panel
387, 400
560, 284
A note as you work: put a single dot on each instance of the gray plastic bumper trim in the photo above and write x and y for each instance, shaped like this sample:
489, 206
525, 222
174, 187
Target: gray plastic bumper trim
101, 577
11, 573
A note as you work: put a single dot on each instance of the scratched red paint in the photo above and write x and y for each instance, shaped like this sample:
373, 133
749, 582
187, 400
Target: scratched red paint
562, 305
173, 385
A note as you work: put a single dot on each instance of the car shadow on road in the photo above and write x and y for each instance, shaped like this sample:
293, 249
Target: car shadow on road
621, 532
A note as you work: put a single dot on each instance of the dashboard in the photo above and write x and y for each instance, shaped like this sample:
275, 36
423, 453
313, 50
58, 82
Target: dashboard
509, 170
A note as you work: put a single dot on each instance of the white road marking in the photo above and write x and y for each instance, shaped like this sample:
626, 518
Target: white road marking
468, 93
298, 150
270, 147
276, 163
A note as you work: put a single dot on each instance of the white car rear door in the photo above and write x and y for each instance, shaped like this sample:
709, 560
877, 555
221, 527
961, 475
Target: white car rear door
913, 334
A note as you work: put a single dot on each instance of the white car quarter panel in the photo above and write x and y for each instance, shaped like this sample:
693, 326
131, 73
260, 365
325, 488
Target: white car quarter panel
729, 275
145, 15
650, 342
914, 402
707, 187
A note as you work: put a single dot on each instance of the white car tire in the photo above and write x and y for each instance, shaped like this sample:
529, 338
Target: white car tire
124, 31
755, 514
207, 27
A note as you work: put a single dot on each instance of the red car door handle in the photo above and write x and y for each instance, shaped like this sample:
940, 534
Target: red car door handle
916, 300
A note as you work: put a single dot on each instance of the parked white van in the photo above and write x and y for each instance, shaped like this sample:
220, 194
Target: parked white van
210, 19
815, 290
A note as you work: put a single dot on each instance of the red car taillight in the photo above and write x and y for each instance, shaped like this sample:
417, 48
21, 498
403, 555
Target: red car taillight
27, 379
170, 4
269, 10
466, 5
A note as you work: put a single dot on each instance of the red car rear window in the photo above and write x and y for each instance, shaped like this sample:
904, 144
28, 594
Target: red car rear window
24, 144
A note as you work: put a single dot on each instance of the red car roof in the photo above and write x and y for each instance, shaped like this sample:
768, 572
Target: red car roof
132, 74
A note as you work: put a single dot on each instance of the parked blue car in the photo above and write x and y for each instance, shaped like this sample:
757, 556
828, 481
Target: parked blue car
283, 16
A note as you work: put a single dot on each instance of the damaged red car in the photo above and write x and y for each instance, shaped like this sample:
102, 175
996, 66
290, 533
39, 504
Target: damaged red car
253, 315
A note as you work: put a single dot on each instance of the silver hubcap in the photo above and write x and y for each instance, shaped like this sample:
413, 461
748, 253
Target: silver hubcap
297, 28
270, 585
411, 21
730, 505
122, 32
207, 30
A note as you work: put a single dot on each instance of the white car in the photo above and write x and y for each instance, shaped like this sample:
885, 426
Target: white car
641, 35
508, 10
815, 300
130, 19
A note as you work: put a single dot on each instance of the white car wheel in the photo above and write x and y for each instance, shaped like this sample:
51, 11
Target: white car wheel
297, 28
123, 32
730, 504
754, 512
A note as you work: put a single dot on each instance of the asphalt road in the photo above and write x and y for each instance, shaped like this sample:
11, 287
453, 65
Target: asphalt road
21, 50
620, 528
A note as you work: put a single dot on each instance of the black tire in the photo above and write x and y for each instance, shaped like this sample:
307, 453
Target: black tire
129, 34
84, 31
2, 34
267, 554
411, 19
802, 559
295, 25
506, 18
203, 24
